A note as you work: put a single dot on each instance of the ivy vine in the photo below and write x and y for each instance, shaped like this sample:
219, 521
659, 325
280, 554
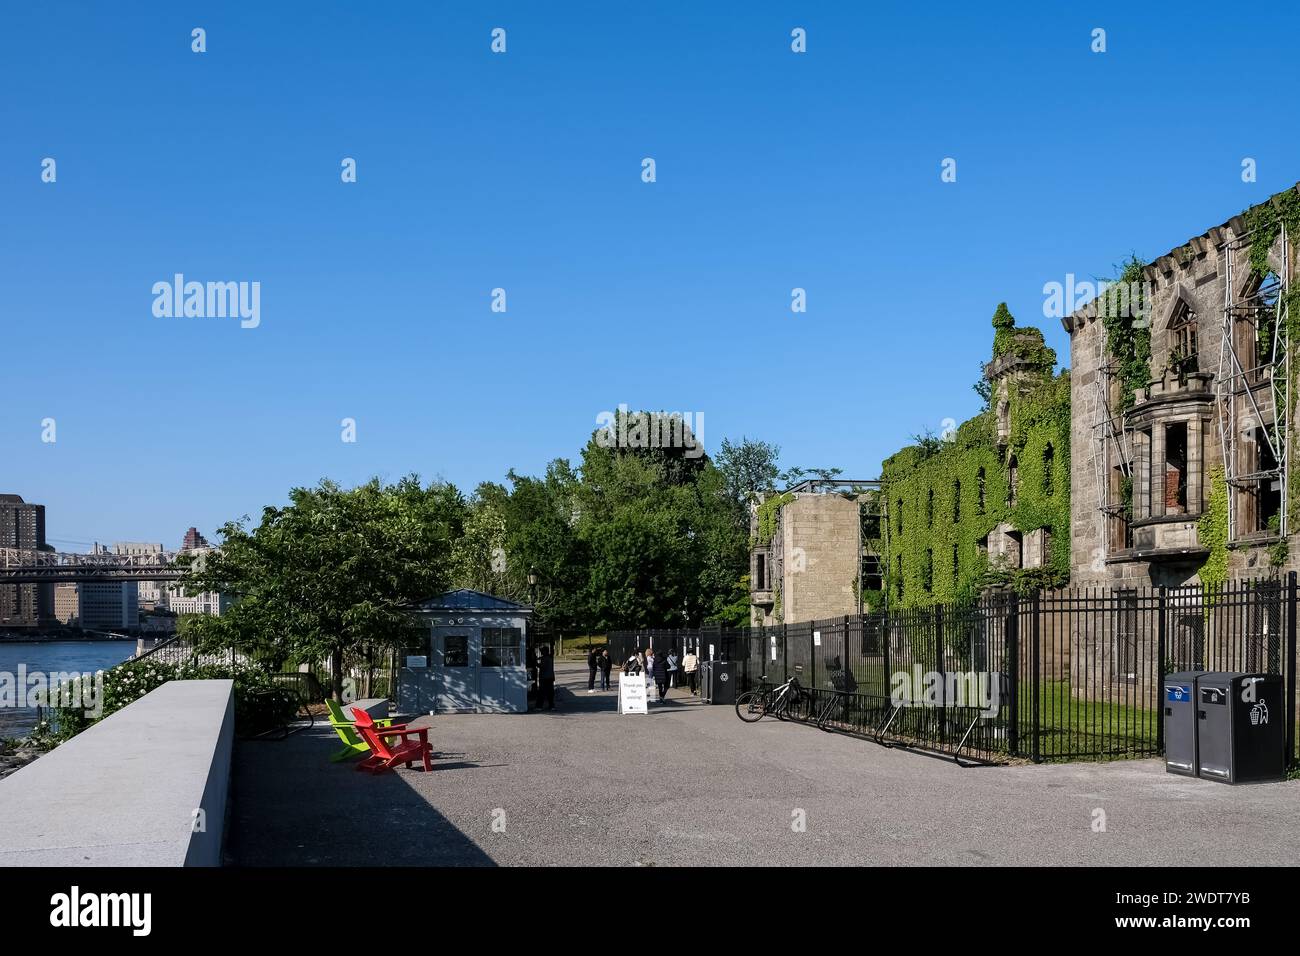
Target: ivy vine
969, 477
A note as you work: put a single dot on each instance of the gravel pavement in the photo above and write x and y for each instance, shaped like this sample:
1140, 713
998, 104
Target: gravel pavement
690, 784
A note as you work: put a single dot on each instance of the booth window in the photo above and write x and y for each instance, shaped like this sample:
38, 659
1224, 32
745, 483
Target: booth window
500, 646
455, 650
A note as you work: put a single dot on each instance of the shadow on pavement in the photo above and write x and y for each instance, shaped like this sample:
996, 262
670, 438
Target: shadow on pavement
291, 807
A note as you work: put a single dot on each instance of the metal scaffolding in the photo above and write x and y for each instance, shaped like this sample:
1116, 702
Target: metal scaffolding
1253, 389
1111, 439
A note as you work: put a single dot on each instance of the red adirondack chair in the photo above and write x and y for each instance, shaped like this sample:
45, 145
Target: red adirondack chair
413, 744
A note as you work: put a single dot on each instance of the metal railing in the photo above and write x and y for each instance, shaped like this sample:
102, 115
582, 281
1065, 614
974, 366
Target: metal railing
1053, 675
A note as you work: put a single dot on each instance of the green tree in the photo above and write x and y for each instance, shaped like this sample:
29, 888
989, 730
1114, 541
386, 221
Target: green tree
659, 534
748, 467
329, 575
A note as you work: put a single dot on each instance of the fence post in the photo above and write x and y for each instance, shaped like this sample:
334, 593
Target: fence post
938, 667
1290, 664
1013, 668
1034, 655
886, 632
1160, 669
785, 652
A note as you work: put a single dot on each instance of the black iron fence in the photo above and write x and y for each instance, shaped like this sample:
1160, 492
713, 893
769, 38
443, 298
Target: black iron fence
1053, 675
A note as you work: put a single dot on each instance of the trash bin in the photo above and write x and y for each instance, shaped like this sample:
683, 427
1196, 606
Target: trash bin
1180, 722
1241, 732
719, 682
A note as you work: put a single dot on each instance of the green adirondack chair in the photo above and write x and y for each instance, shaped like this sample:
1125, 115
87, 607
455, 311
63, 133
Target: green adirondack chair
353, 745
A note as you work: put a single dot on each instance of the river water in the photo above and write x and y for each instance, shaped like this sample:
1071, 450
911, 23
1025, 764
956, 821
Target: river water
51, 657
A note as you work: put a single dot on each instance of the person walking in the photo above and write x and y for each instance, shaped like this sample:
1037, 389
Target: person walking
673, 661
691, 667
650, 660
606, 663
660, 671
593, 662
546, 680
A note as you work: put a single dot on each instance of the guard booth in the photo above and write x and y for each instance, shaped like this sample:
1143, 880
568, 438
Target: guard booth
472, 659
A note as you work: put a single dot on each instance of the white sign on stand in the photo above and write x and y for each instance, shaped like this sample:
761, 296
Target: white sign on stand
631, 694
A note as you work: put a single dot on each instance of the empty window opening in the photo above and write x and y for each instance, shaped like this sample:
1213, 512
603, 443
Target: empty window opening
1121, 509
873, 573
1268, 487
1176, 469
1182, 340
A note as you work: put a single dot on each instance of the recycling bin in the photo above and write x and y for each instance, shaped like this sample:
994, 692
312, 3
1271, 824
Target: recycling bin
1180, 722
720, 679
1241, 727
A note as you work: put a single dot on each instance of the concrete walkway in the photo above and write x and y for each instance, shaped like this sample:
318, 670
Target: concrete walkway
690, 784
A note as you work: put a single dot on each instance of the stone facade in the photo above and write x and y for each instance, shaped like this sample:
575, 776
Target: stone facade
1142, 468
809, 568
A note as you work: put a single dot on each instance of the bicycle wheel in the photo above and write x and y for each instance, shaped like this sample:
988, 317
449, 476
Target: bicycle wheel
751, 706
781, 709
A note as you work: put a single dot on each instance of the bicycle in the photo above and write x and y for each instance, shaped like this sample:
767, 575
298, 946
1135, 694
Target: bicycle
753, 705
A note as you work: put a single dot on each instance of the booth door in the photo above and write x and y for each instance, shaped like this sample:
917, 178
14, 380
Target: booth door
457, 676
416, 693
502, 670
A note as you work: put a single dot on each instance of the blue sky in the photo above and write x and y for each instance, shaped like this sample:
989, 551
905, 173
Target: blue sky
522, 171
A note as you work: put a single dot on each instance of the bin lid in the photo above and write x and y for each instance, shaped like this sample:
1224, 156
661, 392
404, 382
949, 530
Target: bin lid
1227, 678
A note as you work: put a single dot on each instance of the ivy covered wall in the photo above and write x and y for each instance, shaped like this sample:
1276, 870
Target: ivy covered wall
949, 494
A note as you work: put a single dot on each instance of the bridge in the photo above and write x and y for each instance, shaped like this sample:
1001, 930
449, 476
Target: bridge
19, 566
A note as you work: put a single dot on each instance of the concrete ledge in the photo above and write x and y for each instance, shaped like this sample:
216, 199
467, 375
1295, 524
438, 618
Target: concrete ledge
374, 706
125, 792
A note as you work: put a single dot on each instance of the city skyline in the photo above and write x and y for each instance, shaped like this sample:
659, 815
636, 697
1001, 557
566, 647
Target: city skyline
477, 171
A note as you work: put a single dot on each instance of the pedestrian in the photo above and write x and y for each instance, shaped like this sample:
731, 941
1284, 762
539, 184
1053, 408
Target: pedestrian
606, 662
593, 662
650, 660
660, 671
691, 665
546, 680
672, 667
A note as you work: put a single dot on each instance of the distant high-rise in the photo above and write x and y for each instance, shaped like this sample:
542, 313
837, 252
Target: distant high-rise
150, 594
193, 540
22, 525
98, 606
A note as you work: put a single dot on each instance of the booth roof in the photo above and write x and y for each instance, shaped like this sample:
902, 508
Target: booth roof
464, 599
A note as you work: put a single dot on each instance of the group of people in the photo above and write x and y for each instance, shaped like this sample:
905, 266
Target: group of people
667, 669
598, 661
